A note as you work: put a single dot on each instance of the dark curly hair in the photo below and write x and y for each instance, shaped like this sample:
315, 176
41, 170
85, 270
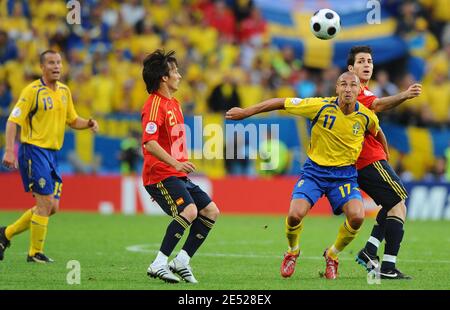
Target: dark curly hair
156, 65
356, 50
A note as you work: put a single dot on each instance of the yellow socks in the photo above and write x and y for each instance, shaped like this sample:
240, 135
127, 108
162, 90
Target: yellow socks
22, 224
38, 230
293, 235
345, 235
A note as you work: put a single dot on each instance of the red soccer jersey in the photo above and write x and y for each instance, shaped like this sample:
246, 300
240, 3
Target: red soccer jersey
372, 150
162, 121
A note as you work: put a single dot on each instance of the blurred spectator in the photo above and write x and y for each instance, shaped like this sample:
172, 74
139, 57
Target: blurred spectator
238, 161
132, 12
439, 15
224, 96
24, 7
5, 98
384, 87
327, 86
412, 112
102, 87
409, 11
286, 64
161, 13
447, 163
242, 9
438, 171
130, 154
8, 49
92, 31
16, 23
305, 87
222, 18
421, 45
273, 157
253, 27
438, 93
110, 13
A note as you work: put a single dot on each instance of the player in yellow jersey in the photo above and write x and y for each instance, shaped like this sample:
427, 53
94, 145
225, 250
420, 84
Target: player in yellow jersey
338, 127
44, 108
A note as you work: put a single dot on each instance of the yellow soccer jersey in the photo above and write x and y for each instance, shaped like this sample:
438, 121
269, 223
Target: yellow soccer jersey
336, 138
43, 113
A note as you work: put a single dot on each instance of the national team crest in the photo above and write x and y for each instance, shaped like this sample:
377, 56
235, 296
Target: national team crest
64, 99
42, 182
356, 128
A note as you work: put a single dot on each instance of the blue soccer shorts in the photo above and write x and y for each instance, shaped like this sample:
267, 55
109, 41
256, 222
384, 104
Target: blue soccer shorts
38, 168
338, 184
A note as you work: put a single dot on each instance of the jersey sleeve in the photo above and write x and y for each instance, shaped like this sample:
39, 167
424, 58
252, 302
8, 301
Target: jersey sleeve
307, 107
71, 112
367, 98
152, 121
23, 106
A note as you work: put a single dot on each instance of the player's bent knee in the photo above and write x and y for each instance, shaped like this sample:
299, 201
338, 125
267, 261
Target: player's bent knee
190, 212
211, 211
43, 211
354, 211
399, 210
44, 205
55, 207
298, 210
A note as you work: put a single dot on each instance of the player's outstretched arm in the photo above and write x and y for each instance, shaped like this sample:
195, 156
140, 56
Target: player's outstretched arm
382, 139
265, 106
9, 159
390, 102
81, 123
156, 150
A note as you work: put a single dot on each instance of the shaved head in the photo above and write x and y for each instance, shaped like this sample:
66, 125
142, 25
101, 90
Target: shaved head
347, 75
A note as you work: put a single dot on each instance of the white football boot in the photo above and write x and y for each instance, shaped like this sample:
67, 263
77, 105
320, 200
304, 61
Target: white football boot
184, 271
162, 272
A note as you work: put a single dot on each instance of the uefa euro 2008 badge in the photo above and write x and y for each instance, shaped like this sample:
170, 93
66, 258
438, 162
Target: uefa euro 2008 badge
151, 128
16, 112
296, 101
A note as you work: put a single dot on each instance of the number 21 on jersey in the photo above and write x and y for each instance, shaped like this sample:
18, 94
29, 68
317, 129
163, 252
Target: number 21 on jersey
172, 118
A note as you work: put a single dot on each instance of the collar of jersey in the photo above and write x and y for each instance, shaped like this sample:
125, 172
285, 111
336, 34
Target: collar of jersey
356, 105
43, 83
162, 96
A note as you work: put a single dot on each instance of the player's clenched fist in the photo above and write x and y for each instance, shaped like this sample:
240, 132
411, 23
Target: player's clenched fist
9, 160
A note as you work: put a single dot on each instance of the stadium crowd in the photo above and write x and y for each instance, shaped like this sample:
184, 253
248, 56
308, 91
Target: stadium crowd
225, 55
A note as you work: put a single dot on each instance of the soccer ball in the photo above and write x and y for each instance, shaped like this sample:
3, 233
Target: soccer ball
325, 24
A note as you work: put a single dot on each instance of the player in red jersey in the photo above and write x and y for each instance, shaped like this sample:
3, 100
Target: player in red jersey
166, 167
377, 178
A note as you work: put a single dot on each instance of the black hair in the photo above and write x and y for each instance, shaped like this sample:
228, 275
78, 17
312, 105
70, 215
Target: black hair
356, 50
156, 65
42, 56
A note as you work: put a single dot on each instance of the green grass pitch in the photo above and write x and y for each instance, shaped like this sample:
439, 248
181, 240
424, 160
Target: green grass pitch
242, 252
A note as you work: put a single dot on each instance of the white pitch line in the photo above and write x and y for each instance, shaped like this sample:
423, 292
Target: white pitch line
153, 248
